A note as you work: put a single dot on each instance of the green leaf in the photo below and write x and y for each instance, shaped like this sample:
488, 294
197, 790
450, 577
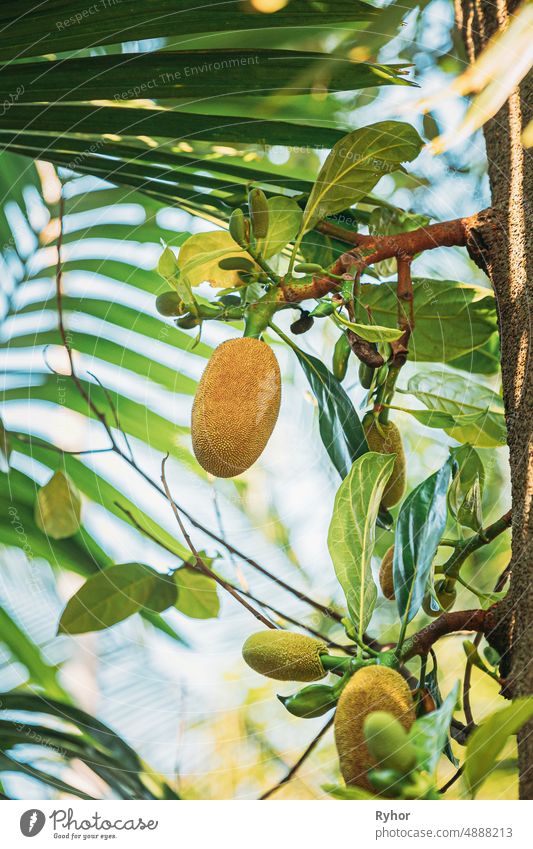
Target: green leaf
466, 491
339, 791
28, 653
200, 255
180, 75
197, 594
340, 428
429, 733
370, 332
352, 532
114, 594
451, 318
355, 165
486, 742
58, 507
477, 410
419, 528
284, 220
428, 418
5, 448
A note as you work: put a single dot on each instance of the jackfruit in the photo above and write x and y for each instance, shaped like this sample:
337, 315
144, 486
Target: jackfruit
386, 581
236, 406
386, 439
373, 688
285, 656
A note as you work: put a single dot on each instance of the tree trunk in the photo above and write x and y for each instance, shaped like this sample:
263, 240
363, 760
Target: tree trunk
504, 241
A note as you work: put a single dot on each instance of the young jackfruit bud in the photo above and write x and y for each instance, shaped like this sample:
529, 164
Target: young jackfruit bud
388, 743
308, 268
341, 357
386, 439
386, 580
236, 406
366, 375
236, 263
258, 205
302, 324
373, 688
285, 656
237, 228
446, 593
169, 303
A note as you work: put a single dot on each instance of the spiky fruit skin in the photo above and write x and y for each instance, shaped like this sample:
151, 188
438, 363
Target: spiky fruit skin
386, 439
373, 688
285, 656
236, 406
386, 581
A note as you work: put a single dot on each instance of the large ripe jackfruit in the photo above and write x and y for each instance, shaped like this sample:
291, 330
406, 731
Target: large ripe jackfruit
373, 688
285, 656
386, 580
386, 439
236, 406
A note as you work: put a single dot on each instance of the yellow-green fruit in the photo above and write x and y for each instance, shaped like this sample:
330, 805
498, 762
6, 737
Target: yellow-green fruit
388, 743
386, 439
385, 574
236, 406
373, 688
285, 656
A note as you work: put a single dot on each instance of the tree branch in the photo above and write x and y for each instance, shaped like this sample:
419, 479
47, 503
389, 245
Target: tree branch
294, 769
371, 249
456, 620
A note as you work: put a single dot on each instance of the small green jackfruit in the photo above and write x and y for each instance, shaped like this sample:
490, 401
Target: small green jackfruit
236, 406
388, 743
169, 303
386, 581
285, 656
373, 688
386, 439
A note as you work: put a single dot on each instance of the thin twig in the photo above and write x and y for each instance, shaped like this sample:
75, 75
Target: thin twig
200, 562
451, 781
111, 403
301, 760
331, 644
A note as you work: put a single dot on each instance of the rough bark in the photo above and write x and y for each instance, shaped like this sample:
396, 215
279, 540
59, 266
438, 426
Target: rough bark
503, 245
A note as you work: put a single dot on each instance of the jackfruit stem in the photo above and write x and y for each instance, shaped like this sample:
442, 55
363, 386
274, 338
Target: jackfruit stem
335, 664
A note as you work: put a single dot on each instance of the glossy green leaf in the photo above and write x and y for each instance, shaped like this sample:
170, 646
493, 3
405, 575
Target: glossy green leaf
429, 733
429, 418
58, 507
340, 427
419, 528
477, 410
200, 256
451, 319
197, 594
73, 26
352, 532
114, 594
28, 653
179, 75
355, 165
486, 742
284, 220
466, 491
370, 332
